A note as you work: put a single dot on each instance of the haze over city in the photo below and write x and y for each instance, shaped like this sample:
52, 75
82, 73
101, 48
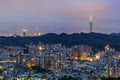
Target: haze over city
57, 16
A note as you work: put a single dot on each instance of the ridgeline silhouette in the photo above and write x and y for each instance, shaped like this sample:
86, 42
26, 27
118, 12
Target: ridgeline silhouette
96, 40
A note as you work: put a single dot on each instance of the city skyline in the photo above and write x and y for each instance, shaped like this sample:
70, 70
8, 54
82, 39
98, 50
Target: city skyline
59, 16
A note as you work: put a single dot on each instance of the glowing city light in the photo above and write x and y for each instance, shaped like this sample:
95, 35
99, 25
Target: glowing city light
40, 48
23, 60
107, 48
24, 30
39, 34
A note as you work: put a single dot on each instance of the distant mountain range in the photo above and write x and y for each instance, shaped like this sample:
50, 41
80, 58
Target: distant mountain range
96, 40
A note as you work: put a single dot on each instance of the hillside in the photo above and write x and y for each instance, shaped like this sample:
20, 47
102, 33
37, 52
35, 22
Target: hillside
96, 40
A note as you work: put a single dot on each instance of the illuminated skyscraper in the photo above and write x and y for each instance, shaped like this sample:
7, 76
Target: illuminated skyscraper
24, 31
90, 24
107, 48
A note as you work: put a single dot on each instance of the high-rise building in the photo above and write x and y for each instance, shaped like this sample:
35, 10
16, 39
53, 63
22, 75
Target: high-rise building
91, 24
107, 48
19, 58
24, 32
50, 60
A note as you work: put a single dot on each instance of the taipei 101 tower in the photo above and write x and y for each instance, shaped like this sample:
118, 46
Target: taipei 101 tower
90, 24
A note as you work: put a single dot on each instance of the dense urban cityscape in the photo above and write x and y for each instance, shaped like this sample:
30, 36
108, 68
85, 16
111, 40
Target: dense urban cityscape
59, 40
56, 62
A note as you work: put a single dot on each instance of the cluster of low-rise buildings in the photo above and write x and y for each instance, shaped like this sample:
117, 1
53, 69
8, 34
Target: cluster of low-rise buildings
79, 61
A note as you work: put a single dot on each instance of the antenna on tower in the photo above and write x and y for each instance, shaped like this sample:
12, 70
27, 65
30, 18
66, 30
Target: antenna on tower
90, 24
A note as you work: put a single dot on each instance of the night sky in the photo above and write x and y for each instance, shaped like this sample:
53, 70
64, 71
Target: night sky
57, 16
